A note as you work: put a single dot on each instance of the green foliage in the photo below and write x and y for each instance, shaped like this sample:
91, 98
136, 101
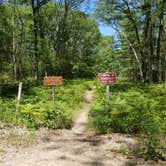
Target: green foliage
106, 59
35, 39
139, 26
37, 108
58, 117
7, 111
134, 108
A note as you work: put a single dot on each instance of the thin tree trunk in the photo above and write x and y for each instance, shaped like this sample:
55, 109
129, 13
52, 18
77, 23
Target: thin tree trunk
14, 42
146, 40
136, 56
134, 52
143, 58
35, 29
159, 41
20, 55
62, 38
152, 77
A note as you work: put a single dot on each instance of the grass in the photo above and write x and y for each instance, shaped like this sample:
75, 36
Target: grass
16, 137
24, 139
121, 150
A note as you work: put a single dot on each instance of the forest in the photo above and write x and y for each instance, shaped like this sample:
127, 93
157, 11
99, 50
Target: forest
56, 37
63, 38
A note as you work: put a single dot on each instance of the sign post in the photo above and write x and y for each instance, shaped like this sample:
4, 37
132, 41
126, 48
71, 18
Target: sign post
53, 93
53, 81
19, 96
108, 92
107, 79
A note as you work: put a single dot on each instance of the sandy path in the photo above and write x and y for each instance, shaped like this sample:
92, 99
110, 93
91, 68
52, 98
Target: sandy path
81, 121
74, 147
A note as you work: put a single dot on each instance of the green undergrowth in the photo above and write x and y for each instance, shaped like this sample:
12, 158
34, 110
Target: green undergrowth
133, 108
38, 109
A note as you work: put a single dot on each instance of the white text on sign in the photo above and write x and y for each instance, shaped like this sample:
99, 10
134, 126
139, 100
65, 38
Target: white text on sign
107, 78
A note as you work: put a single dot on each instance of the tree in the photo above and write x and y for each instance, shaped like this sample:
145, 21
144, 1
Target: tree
138, 22
46, 36
6, 40
72, 35
106, 58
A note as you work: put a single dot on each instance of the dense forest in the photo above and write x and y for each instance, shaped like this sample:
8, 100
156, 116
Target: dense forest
141, 29
45, 36
39, 36
63, 38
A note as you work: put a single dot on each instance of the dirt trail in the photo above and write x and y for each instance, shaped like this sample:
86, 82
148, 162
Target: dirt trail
81, 121
74, 147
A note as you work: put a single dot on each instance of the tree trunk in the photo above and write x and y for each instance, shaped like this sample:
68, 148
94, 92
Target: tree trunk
62, 37
14, 42
160, 29
35, 31
143, 67
136, 56
146, 41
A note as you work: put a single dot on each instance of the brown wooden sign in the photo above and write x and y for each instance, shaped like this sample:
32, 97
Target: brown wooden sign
107, 78
53, 80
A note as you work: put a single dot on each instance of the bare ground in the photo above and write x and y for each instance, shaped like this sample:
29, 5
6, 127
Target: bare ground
76, 147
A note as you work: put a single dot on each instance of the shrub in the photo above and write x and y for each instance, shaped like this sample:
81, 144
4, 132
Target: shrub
37, 107
136, 109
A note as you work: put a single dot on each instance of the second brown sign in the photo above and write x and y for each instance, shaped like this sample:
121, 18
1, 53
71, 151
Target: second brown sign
107, 78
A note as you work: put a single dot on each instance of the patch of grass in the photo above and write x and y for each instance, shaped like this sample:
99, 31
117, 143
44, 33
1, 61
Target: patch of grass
23, 140
122, 150
17, 137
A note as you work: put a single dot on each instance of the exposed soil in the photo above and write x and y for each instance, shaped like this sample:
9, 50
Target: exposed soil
76, 147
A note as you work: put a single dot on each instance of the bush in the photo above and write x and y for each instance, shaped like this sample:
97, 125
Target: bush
37, 108
56, 117
134, 110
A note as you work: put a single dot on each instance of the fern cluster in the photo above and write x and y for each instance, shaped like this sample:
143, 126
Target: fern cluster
133, 108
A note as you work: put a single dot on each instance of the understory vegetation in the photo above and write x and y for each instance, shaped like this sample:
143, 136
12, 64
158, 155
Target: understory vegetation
133, 108
77, 39
38, 109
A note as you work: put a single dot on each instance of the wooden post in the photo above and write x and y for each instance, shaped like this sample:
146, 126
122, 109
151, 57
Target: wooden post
108, 92
19, 95
53, 93
165, 71
108, 96
45, 74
